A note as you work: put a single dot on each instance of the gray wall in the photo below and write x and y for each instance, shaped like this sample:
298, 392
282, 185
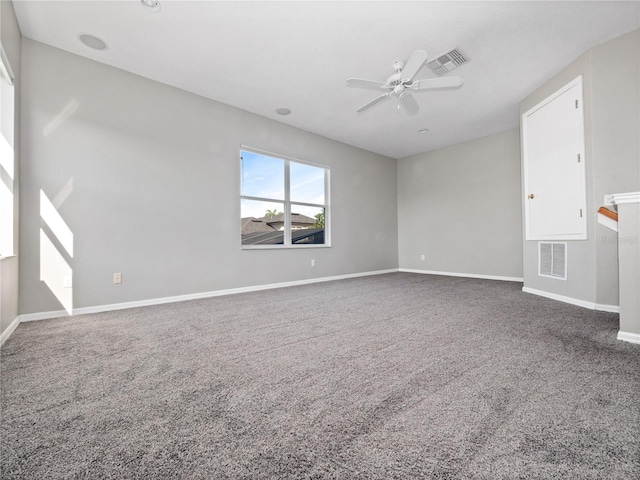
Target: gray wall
460, 207
9, 267
581, 282
615, 73
146, 176
629, 231
611, 82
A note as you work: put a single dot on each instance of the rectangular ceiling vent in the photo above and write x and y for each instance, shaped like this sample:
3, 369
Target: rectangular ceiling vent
448, 61
552, 258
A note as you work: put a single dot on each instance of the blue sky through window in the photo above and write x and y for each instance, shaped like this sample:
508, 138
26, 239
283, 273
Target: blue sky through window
307, 183
263, 176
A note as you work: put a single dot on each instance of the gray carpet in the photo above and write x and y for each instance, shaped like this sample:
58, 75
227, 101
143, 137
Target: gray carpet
384, 377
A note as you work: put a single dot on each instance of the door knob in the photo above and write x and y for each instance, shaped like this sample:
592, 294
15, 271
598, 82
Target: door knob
531, 196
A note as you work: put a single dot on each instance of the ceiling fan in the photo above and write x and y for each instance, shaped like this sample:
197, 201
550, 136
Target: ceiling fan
401, 84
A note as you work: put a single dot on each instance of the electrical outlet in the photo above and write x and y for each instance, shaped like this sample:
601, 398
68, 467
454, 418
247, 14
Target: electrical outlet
117, 278
67, 281
313, 262
422, 257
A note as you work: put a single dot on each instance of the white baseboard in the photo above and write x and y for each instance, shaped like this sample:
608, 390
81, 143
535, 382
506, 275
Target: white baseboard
9, 330
607, 308
629, 337
573, 301
29, 317
33, 317
465, 275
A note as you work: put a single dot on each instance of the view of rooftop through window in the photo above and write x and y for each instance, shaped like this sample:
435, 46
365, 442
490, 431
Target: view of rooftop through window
283, 202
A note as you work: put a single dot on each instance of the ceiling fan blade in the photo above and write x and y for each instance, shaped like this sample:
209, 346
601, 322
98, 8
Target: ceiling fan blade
373, 102
361, 83
433, 83
415, 62
408, 103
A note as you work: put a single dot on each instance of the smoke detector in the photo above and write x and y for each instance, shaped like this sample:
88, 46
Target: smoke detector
448, 61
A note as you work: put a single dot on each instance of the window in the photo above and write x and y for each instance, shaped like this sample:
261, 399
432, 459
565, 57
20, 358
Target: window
283, 202
7, 160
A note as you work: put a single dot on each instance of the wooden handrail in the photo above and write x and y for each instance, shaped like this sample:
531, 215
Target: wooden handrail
608, 213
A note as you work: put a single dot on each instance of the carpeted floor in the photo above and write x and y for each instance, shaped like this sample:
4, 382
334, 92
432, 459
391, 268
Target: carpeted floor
393, 376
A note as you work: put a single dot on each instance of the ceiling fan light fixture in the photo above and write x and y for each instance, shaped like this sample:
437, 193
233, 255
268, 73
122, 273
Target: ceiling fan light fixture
151, 5
92, 41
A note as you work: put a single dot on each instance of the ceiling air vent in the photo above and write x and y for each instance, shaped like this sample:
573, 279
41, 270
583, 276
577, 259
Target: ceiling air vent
448, 61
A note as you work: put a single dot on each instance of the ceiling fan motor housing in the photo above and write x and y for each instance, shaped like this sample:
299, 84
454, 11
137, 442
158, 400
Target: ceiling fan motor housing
398, 66
395, 80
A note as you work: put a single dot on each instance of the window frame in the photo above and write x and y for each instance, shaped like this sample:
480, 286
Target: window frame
8, 240
287, 202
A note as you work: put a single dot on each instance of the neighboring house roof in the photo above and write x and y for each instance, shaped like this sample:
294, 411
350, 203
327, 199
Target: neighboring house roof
268, 230
254, 225
297, 220
277, 237
300, 236
273, 223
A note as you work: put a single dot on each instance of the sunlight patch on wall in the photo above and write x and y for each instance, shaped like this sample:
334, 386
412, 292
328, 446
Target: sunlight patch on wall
6, 157
63, 194
55, 271
59, 119
55, 222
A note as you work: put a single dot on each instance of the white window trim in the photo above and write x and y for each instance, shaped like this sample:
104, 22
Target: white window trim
8, 242
287, 201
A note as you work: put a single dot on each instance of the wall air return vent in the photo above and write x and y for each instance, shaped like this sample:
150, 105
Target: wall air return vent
448, 61
552, 260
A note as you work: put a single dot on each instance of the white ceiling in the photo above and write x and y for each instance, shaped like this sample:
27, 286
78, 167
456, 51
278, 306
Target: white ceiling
259, 56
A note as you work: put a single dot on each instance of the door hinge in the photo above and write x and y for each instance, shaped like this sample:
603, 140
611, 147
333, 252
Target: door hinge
576, 103
578, 158
580, 213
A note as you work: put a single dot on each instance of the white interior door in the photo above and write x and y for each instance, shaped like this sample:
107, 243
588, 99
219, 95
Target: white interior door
554, 167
